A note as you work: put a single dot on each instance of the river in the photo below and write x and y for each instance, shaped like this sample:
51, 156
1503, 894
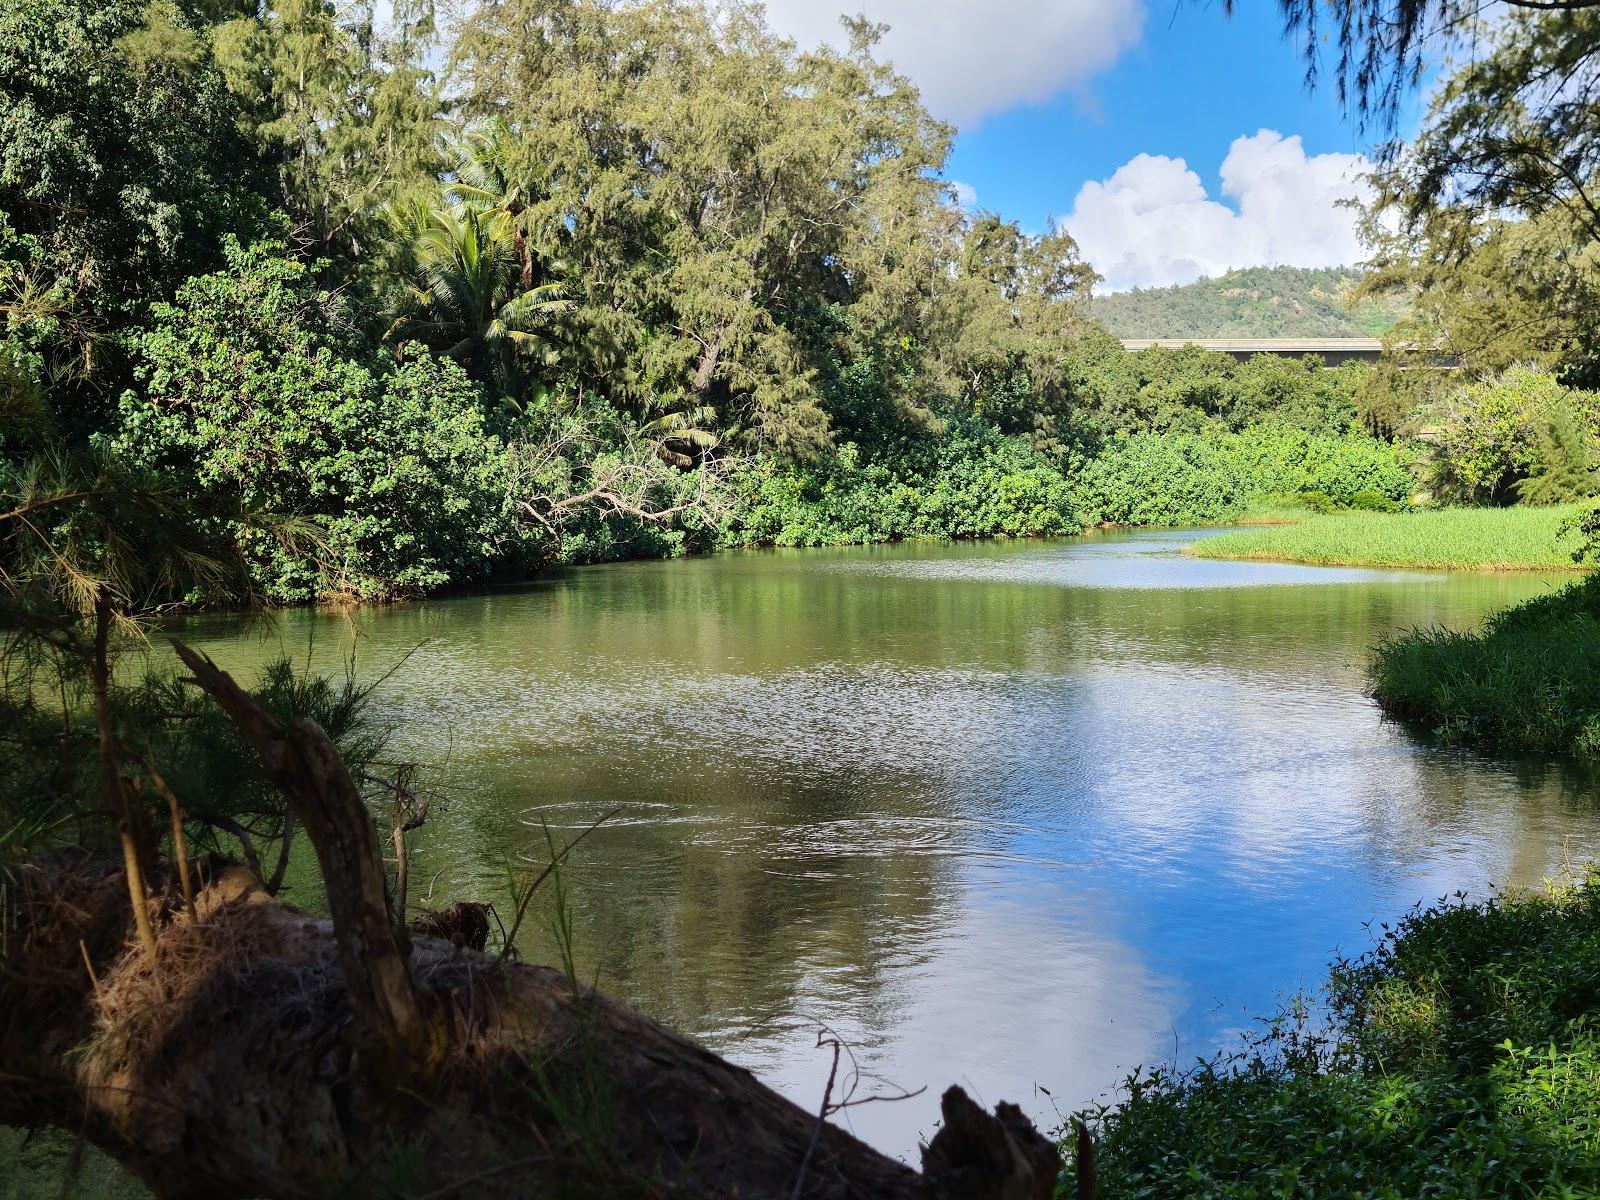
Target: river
1016, 815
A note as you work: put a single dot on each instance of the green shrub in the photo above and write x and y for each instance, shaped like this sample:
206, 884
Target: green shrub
1319, 502
1529, 680
1460, 1058
975, 482
1520, 432
1374, 502
1196, 479
248, 387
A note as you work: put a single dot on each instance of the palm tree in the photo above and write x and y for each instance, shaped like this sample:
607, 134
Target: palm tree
486, 178
484, 174
470, 301
682, 433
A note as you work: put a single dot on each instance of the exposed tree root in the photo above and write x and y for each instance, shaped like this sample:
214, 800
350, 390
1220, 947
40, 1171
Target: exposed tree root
226, 1066
258, 1051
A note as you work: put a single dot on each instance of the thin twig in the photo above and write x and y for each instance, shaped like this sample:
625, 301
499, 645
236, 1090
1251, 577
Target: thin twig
822, 1115
180, 848
89, 966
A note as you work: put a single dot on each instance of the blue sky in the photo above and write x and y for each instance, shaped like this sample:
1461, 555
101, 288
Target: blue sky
1197, 80
1124, 119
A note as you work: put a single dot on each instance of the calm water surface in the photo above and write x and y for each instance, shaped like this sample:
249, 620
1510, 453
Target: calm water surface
1014, 815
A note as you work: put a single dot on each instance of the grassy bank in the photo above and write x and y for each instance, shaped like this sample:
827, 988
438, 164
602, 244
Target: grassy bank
1527, 681
1470, 539
1462, 1060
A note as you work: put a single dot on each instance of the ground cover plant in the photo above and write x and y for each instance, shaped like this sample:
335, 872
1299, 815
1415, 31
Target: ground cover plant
1466, 539
1459, 1058
1527, 681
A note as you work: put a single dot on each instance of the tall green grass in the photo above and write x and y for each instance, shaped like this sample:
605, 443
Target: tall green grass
1527, 681
1461, 1058
1480, 539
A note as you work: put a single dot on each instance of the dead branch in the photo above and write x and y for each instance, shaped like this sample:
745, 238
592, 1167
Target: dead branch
398, 1039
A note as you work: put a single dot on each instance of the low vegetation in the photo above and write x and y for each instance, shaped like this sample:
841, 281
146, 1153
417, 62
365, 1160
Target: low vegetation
1527, 681
1460, 1058
1465, 539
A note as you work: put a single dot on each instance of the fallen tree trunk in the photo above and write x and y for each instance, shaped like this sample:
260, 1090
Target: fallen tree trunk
261, 1052
226, 1066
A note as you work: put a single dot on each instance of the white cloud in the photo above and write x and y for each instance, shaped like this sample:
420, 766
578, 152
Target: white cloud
1152, 223
964, 194
975, 57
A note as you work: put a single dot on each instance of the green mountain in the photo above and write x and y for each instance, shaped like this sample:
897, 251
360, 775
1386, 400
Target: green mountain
1255, 302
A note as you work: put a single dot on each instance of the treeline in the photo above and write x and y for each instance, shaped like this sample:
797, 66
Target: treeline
1313, 302
639, 280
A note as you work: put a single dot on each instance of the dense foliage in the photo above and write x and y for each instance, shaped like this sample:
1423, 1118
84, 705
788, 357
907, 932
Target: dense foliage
1257, 302
245, 385
654, 280
1190, 479
1528, 680
1518, 435
1459, 1058
286, 318
1488, 218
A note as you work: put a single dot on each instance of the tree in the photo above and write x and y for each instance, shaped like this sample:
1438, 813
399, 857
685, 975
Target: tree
121, 171
1489, 219
1003, 323
1385, 47
1562, 467
1491, 437
255, 384
88, 548
348, 119
476, 301
719, 196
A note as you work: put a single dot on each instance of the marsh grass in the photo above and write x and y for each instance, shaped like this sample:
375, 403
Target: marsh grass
1470, 539
1460, 1058
1528, 681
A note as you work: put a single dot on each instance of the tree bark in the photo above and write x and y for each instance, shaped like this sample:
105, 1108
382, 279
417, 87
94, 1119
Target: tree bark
399, 1040
136, 843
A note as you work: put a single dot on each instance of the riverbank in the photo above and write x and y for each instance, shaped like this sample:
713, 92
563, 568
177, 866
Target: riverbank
1525, 682
1460, 1059
1459, 539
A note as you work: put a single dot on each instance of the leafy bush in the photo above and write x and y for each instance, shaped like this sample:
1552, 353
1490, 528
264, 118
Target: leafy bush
1529, 680
1522, 430
973, 483
1191, 479
1374, 502
249, 387
1460, 1058
1584, 525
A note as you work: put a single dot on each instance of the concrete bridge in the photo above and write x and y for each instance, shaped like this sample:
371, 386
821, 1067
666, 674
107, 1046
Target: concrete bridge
1332, 351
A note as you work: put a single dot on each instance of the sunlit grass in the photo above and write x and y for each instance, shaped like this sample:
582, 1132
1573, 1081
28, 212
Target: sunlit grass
1469, 539
1528, 681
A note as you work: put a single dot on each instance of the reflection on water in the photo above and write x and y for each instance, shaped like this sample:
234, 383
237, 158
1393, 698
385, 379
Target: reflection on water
1000, 814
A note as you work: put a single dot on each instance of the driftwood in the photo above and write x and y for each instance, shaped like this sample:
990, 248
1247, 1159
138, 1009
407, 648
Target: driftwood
263, 1052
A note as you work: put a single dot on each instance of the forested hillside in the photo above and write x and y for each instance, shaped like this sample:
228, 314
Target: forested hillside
1255, 302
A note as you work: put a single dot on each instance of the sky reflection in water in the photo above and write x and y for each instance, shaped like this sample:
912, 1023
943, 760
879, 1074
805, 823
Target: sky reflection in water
1004, 815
